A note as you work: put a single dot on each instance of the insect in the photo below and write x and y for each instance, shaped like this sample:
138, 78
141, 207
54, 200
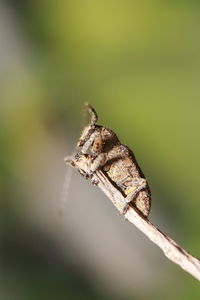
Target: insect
116, 160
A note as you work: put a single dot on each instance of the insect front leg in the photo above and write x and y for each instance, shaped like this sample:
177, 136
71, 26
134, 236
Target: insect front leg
141, 184
87, 173
89, 142
98, 162
70, 160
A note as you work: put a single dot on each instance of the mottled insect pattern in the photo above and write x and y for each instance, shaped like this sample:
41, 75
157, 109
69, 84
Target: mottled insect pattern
117, 161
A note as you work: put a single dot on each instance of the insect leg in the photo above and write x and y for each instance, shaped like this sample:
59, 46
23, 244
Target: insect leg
69, 160
132, 195
89, 142
98, 162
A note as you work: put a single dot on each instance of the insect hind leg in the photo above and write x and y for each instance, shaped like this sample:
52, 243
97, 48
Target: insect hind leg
133, 194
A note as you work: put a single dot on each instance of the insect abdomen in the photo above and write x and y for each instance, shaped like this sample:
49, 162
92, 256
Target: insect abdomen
126, 175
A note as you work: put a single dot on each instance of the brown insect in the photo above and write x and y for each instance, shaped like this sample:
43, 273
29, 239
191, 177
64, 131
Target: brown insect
117, 161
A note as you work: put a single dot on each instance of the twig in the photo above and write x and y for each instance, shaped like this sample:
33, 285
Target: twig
170, 248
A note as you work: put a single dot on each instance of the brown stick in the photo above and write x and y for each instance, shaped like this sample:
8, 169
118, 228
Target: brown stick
170, 248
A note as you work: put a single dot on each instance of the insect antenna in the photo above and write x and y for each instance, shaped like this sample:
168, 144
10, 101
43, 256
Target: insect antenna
93, 112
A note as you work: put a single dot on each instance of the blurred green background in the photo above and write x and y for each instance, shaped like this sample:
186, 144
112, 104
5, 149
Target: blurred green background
138, 64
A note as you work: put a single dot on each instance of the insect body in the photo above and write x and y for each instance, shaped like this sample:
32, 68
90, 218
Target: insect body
118, 163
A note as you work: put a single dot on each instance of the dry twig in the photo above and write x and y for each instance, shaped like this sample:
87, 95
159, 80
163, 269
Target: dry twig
170, 248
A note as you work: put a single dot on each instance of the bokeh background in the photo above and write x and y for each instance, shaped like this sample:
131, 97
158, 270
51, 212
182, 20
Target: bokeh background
138, 64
